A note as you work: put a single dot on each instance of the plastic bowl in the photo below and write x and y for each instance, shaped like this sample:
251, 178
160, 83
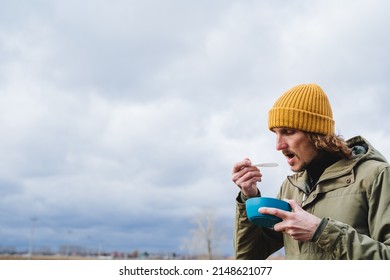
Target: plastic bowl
264, 220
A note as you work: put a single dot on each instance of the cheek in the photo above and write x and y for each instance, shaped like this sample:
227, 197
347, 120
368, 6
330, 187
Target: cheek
311, 153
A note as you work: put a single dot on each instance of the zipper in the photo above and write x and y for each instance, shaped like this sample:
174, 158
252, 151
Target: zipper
304, 197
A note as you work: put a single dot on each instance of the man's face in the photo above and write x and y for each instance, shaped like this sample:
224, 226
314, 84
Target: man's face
296, 147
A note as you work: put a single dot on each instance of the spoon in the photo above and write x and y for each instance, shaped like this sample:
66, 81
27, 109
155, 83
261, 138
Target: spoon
266, 164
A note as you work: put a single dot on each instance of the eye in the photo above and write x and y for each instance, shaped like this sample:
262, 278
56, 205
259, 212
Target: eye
288, 131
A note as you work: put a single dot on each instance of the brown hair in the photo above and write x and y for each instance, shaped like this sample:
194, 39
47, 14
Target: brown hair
331, 143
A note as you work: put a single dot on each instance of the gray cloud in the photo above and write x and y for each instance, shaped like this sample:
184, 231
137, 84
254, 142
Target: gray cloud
121, 120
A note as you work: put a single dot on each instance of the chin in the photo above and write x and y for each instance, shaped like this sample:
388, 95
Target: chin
297, 168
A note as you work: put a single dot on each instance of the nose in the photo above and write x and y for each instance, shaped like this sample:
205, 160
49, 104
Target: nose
280, 143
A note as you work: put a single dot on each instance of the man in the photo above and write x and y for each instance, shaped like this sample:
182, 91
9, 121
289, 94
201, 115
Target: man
339, 193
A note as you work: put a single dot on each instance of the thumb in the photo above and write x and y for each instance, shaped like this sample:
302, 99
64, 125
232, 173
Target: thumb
293, 204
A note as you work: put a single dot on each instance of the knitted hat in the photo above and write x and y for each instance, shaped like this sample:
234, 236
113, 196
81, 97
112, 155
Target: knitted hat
304, 107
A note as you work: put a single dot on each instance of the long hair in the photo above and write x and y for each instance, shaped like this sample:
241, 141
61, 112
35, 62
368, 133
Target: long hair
331, 143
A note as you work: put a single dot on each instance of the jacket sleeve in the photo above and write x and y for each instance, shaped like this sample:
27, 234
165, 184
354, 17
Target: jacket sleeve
250, 241
346, 243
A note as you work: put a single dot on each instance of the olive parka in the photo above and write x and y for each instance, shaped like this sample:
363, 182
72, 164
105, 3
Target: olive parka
352, 197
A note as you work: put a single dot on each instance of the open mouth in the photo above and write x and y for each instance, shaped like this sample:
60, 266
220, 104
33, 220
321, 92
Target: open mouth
289, 155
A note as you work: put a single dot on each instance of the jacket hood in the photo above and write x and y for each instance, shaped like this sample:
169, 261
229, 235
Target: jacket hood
363, 150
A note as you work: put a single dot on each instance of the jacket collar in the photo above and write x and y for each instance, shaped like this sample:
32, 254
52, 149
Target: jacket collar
343, 167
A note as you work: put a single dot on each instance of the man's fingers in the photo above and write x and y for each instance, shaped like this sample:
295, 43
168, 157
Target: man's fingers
240, 165
275, 212
246, 174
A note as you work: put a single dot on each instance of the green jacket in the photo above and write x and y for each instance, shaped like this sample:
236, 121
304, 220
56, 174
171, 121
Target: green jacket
352, 197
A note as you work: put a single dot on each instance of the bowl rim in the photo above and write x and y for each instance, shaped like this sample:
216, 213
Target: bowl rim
252, 200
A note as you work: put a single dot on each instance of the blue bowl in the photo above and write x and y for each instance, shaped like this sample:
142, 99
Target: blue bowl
264, 220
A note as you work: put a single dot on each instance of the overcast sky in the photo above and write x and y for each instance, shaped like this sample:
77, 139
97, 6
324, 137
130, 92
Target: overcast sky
121, 120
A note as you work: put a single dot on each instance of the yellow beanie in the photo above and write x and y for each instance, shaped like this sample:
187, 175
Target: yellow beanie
304, 107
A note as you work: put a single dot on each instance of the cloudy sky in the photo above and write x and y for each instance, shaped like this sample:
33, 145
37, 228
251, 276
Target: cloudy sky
120, 120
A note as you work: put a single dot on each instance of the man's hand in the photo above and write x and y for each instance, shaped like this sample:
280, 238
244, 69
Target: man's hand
246, 177
299, 224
